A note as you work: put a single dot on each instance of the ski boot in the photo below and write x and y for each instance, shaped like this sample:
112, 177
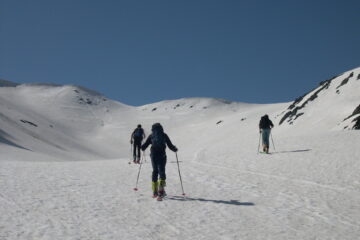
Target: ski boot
161, 188
154, 187
265, 148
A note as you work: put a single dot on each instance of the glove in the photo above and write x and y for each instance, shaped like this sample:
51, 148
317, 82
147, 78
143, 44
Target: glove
131, 141
175, 150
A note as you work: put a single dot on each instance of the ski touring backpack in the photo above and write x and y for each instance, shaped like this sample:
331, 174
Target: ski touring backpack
265, 122
158, 137
138, 133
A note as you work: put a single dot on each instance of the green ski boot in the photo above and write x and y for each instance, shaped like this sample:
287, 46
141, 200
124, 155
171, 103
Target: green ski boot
154, 187
162, 184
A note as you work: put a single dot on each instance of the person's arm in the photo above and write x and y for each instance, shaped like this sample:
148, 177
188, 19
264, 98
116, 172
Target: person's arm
146, 144
144, 136
169, 144
132, 137
271, 124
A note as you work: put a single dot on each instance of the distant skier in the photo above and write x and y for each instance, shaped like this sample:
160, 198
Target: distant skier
136, 139
265, 127
158, 140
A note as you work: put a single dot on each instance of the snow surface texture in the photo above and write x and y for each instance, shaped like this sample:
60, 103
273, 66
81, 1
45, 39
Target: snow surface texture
64, 172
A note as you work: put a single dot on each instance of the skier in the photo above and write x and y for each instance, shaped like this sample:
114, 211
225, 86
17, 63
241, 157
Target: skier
265, 127
158, 140
136, 139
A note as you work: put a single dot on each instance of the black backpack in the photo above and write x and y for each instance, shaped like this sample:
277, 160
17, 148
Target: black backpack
138, 133
158, 137
265, 122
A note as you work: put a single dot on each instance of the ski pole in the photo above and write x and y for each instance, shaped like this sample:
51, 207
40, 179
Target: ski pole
259, 143
272, 141
131, 152
137, 180
144, 156
182, 188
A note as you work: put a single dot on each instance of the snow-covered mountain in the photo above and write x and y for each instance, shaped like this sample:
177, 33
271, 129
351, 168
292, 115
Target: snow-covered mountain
73, 122
64, 172
334, 104
55, 120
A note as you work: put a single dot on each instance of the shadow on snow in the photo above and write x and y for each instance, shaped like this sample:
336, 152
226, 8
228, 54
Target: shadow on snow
4, 140
231, 202
294, 151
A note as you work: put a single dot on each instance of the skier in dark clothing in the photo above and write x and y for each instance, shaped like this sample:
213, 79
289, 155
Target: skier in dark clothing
265, 127
136, 139
158, 140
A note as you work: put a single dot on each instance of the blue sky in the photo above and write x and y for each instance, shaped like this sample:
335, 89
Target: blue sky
142, 51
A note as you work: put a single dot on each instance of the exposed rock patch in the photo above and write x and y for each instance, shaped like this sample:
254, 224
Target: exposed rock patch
345, 81
28, 122
290, 116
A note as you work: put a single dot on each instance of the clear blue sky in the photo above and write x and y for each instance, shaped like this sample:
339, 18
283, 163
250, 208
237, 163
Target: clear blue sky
143, 51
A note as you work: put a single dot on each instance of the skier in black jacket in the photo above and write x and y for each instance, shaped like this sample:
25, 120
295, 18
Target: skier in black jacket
265, 126
158, 140
136, 139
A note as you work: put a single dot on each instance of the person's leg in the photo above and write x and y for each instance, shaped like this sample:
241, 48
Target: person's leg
134, 151
263, 138
154, 177
138, 154
266, 139
161, 167
162, 173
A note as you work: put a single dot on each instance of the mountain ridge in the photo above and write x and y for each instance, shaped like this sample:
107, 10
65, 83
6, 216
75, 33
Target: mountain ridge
331, 90
81, 123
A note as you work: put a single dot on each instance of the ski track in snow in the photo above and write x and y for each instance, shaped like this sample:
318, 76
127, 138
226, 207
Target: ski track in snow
291, 196
95, 200
259, 174
91, 200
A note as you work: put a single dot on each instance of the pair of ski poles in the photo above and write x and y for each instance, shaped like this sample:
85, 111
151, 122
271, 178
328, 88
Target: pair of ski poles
177, 161
271, 140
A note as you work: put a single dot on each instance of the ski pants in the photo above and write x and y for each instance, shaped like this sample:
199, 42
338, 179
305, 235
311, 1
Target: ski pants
265, 136
136, 149
158, 163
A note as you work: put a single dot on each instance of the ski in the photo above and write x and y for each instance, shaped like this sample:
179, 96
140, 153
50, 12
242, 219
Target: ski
133, 162
161, 196
264, 153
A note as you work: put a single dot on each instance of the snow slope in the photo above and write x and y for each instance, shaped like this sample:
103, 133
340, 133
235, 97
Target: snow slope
64, 172
332, 105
